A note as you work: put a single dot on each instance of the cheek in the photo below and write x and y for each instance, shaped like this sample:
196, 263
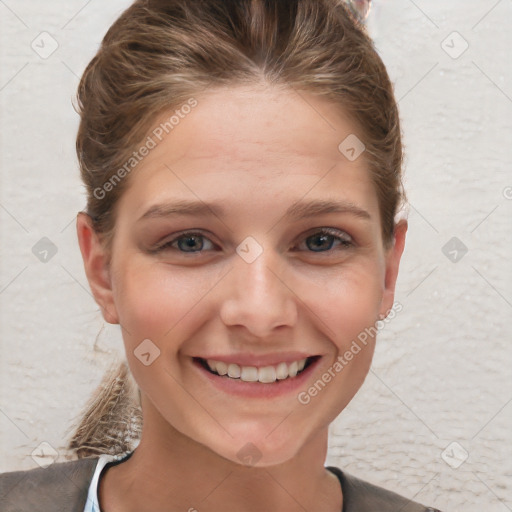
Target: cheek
347, 302
349, 308
156, 301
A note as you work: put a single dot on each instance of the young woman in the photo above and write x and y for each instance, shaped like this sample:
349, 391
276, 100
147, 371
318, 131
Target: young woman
242, 161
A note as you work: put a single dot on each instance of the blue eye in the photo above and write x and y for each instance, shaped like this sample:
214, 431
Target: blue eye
329, 234
187, 243
321, 240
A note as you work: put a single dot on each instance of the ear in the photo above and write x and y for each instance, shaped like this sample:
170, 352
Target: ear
96, 267
393, 255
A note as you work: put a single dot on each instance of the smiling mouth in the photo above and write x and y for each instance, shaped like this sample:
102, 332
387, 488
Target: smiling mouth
266, 374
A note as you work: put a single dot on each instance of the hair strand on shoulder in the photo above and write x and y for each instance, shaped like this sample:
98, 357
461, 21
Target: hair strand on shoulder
112, 419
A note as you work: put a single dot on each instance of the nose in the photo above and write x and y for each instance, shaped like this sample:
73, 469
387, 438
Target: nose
258, 296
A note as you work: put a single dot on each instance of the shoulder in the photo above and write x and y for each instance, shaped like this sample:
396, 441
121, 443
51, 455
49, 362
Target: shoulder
61, 486
362, 496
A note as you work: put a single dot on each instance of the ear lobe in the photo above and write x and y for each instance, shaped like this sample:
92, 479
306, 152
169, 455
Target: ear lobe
96, 261
393, 257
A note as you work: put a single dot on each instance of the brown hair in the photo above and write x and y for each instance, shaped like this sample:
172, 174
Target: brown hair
161, 53
112, 418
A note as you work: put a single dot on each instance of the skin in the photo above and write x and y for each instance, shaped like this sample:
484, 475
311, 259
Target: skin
257, 149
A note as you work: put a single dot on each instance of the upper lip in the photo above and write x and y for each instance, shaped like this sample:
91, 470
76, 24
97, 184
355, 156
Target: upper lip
247, 359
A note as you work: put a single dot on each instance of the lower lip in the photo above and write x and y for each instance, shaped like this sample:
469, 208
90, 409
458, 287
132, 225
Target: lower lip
239, 387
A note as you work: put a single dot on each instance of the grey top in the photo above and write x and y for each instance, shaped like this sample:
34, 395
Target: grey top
63, 487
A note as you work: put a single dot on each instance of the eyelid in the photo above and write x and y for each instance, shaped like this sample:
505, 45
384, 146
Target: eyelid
330, 231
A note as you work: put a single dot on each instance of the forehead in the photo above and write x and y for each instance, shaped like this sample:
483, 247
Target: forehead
248, 142
260, 121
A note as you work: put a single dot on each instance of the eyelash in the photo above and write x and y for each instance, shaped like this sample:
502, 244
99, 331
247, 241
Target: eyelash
332, 232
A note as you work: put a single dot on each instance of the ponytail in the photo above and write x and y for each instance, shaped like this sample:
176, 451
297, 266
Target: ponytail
112, 418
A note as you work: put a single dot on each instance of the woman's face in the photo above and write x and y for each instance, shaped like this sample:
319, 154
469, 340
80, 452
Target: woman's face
245, 277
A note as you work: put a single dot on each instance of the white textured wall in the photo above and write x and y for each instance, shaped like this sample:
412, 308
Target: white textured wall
441, 372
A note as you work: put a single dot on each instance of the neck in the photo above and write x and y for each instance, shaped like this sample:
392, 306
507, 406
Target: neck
170, 472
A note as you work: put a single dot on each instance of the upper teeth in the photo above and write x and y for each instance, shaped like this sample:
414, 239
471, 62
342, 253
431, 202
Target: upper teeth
266, 374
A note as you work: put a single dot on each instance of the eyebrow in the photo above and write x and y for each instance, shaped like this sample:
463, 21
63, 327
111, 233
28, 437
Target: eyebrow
297, 211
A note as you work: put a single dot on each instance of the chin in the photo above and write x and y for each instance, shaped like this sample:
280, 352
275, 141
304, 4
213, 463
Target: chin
260, 447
